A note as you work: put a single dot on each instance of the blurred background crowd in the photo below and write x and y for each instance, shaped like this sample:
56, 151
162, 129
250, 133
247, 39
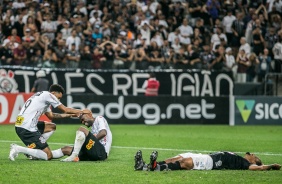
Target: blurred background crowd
223, 35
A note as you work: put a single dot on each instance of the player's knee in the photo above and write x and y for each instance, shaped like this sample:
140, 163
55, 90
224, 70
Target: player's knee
53, 126
84, 130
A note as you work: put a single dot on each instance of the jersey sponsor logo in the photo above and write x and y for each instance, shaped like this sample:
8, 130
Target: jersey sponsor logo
42, 140
245, 108
90, 144
218, 163
7, 82
32, 146
19, 120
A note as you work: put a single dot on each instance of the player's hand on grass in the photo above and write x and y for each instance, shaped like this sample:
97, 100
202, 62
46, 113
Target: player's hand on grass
276, 166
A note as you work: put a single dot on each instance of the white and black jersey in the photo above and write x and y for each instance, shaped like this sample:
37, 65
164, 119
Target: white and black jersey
99, 124
229, 160
33, 108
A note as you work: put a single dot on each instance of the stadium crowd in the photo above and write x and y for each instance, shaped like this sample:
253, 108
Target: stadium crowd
224, 35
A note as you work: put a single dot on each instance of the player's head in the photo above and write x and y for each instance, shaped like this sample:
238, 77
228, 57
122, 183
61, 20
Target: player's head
57, 90
152, 75
87, 119
253, 159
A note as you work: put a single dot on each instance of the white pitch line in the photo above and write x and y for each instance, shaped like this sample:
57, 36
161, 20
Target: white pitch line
163, 149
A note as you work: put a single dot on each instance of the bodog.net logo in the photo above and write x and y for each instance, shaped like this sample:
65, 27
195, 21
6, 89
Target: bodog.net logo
245, 108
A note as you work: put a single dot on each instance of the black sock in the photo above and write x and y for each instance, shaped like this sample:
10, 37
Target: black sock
174, 166
161, 162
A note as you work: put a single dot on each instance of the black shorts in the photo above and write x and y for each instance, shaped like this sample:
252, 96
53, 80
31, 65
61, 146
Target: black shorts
33, 139
92, 149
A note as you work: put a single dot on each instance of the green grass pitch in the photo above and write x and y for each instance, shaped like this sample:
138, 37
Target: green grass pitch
169, 140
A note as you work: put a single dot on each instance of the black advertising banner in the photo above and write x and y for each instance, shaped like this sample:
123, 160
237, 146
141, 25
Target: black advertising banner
258, 110
122, 82
153, 110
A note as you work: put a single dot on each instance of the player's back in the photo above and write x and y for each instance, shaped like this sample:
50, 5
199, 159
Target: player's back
99, 124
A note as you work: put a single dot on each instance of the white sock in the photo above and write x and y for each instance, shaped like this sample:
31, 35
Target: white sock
33, 152
47, 135
57, 153
79, 140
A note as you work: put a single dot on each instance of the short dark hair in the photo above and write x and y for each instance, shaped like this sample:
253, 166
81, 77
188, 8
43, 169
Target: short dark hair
57, 88
258, 161
152, 75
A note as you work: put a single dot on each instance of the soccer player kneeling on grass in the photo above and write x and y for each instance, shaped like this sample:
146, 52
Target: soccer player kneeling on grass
34, 134
90, 145
213, 161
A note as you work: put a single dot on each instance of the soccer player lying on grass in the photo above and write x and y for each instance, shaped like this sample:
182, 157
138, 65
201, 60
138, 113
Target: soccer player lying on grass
28, 129
213, 161
90, 145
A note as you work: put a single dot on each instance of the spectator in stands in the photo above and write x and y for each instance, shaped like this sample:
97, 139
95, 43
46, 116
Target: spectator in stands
243, 64
258, 40
108, 51
48, 26
238, 31
193, 58
271, 37
173, 35
180, 59
197, 36
264, 65
73, 57
186, 32
86, 58
195, 10
49, 58
156, 60
14, 34
250, 27
37, 59
277, 52
206, 56
176, 45
73, 39
151, 86
218, 38
6, 27
19, 55
6, 54
227, 24
230, 64
98, 59
66, 31
30, 24
19, 26
141, 59
220, 61
60, 51
213, 7
253, 68
95, 20
245, 46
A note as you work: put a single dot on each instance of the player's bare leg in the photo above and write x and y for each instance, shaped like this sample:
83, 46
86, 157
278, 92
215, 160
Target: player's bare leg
49, 129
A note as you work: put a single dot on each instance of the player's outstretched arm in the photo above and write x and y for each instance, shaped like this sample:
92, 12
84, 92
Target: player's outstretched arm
265, 167
52, 115
69, 110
